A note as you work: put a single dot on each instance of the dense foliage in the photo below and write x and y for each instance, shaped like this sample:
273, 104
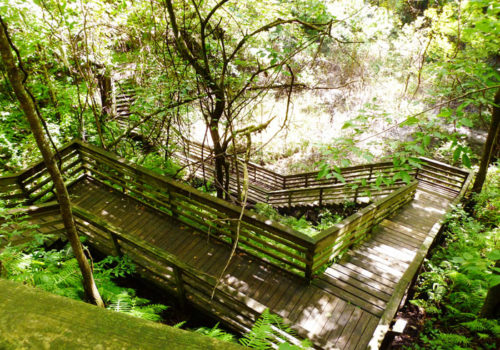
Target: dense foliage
458, 275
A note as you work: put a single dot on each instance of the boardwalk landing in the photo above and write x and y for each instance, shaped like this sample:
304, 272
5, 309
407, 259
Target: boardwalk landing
341, 309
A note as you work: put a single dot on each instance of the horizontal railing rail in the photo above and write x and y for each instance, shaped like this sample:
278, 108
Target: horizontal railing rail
35, 184
298, 189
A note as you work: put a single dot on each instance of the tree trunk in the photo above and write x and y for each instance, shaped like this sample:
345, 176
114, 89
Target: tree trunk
28, 107
491, 306
220, 160
489, 145
48, 82
104, 83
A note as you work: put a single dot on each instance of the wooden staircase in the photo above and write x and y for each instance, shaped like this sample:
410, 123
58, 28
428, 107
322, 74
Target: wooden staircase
125, 96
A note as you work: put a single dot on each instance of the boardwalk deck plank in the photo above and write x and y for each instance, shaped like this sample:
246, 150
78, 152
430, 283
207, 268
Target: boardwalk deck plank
344, 273
334, 277
362, 299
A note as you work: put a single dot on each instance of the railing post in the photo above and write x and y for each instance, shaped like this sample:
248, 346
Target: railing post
289, 199
320, 196
309, 263
23, 188
181, 292
284, 182
171, 202
118, 251
371, 172
356, 193
307, 180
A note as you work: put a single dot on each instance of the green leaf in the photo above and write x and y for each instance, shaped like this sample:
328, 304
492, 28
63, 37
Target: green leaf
493, 280
338, 176
410, 121
456, 154
347, 124
467, 122
466, 160
324, 170
345, 163
405, 176
445, 112
494, 255
426, 140
287, 346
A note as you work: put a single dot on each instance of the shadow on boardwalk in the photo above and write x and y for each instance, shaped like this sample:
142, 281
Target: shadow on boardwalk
340, 309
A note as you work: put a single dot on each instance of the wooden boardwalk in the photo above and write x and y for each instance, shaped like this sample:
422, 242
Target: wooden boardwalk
340, 309
181, 239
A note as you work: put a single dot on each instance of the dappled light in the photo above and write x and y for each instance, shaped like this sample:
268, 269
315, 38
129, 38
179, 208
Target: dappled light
284, 168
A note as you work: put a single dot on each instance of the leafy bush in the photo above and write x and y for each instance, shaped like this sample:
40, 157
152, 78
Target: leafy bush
326, 219
457, 277
58, 272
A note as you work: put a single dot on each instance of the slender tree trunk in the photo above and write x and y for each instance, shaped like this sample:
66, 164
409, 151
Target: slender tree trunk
28, 107
220, 160
48, 82
491, 306
104, 83
489, 145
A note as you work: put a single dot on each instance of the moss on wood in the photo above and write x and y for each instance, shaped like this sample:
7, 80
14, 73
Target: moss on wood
34, 319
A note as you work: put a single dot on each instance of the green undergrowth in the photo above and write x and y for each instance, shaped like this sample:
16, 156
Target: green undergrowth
457, 277
325, 219
57, 271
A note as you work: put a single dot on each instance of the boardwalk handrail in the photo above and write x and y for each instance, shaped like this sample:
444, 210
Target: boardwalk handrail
282, 246
34, 183
430, 171
303, 188
268, 240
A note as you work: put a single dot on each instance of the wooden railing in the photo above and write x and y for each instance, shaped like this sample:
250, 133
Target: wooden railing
298, 189
262, 177
337, 193
34, 184
355, 174
43, 218
308, 189
258, 236
282, 246
442, 177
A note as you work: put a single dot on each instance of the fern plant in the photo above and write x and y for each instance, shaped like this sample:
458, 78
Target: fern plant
216, 332
270, 331
57, 272
453, 287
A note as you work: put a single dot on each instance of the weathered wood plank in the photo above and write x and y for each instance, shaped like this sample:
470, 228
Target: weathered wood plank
352, 295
